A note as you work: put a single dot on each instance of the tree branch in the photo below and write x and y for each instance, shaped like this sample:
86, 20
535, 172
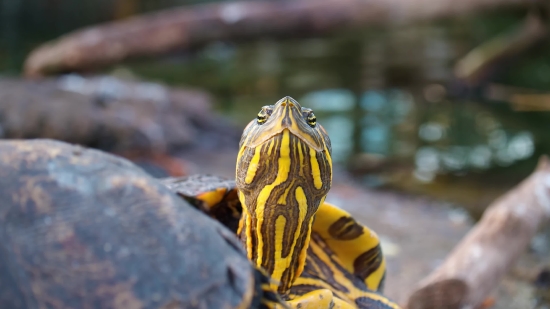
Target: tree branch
480, 260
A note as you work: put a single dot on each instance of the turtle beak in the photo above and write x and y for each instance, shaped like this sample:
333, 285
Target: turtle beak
288, 111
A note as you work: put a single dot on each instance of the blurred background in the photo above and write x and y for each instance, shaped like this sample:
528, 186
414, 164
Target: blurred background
453, 107
429, 107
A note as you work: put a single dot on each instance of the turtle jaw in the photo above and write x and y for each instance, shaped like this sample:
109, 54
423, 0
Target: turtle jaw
282, 182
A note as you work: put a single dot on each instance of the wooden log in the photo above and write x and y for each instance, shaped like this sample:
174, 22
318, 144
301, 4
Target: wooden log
476, 265
181, 28
482, 63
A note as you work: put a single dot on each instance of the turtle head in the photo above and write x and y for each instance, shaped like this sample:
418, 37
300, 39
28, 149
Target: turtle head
286, 114
284, 171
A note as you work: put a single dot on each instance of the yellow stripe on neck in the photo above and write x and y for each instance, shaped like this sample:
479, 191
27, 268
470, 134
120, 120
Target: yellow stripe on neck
282, 175
253, 167
315, 170
283, 263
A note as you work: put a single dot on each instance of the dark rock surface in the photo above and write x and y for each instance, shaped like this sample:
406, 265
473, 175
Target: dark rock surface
83, 229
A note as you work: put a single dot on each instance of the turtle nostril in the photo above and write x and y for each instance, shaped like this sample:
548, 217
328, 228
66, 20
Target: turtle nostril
283, 104
290, 104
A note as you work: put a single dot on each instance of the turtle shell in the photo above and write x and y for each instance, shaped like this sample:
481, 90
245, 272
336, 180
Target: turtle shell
83, 229
343, 256
213, 195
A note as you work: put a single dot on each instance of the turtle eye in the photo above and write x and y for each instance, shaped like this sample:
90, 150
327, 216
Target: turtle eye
264, 114
311, 119
262, 117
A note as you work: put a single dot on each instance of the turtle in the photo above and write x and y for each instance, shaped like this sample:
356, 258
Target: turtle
315, 254
80, 228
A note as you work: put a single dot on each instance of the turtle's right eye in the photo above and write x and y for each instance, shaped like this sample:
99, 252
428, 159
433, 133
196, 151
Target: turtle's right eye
262, 117
264, 113
311, 120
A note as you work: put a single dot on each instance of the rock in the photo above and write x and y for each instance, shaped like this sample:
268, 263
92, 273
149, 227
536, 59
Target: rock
111, 114
83, 229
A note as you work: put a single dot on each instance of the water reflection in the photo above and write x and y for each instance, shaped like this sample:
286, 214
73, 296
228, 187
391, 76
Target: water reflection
383, 112
331, 100
431, 131
341, 129
427, 163
444, 155
334, 104
394, 123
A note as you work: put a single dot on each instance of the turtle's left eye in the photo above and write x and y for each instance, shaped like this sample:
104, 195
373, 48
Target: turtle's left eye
311, 119
262, 117
264, 113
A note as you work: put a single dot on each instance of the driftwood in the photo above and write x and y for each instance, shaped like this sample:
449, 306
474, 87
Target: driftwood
84, 229
111, 114
481, 63
182, 28
476, 265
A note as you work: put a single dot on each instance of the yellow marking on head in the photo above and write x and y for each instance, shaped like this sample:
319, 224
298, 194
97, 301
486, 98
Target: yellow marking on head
315, 170
253, 166
282, 175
